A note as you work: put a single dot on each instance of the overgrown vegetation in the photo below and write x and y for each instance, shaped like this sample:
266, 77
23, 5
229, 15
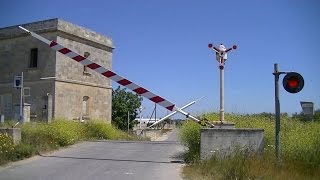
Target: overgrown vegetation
190, 138
306, 118
300, 151
42, 137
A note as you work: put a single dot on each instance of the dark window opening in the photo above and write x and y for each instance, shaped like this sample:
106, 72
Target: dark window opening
85, 106
33, 58
85, 69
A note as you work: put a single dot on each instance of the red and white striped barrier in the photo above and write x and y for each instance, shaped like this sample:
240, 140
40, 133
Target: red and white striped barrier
110, 74
105, 72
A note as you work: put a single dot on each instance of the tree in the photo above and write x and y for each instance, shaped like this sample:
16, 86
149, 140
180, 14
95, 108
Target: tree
122, 103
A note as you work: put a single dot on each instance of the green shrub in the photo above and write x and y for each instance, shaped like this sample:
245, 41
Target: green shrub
6, 148
190, 138
101, 130
66, 132
22, 151
39, 136
51, 136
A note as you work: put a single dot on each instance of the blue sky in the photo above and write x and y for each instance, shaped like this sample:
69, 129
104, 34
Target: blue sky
162, 46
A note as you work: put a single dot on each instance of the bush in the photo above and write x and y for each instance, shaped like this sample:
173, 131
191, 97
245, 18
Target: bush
51, 136
39, 136
190, 137
101, 130
6, 148
22, 151
66, 132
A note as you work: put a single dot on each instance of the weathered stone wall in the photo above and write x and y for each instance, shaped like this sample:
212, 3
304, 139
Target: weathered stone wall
69, 99
14, 59
68, 69
73, 83
92, 38
15, 52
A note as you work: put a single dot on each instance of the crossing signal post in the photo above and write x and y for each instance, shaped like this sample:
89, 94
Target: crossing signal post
221, 57
292, 82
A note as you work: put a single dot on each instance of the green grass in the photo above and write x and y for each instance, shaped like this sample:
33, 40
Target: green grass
43, 137
300, 151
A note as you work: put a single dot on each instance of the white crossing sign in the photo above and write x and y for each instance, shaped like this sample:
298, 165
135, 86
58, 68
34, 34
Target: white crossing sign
307, 108
17, 81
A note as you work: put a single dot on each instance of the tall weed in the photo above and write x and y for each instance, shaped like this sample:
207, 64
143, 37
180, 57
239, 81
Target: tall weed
101, 130
300, 152
6, 147
190, 138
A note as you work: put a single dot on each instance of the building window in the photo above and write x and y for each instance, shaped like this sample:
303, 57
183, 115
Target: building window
33, 58
85, 106
85, 68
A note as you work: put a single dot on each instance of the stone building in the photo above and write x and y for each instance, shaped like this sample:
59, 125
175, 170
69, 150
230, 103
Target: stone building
59, 86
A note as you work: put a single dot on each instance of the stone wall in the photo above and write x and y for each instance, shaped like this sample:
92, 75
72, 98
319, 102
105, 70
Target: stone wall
14, 59
69, 101
15, 52
72, 83
68, 69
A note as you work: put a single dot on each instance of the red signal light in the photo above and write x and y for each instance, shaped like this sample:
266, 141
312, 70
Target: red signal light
210, 45
293, 82
234, 47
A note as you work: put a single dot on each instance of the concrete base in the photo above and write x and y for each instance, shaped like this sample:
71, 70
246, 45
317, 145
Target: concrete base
222, 142
15, 133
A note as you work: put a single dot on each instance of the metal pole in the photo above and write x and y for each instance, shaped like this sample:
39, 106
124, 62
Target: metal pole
221, 93
277, 111
155, 113
128, 122
21, 119
140, 117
